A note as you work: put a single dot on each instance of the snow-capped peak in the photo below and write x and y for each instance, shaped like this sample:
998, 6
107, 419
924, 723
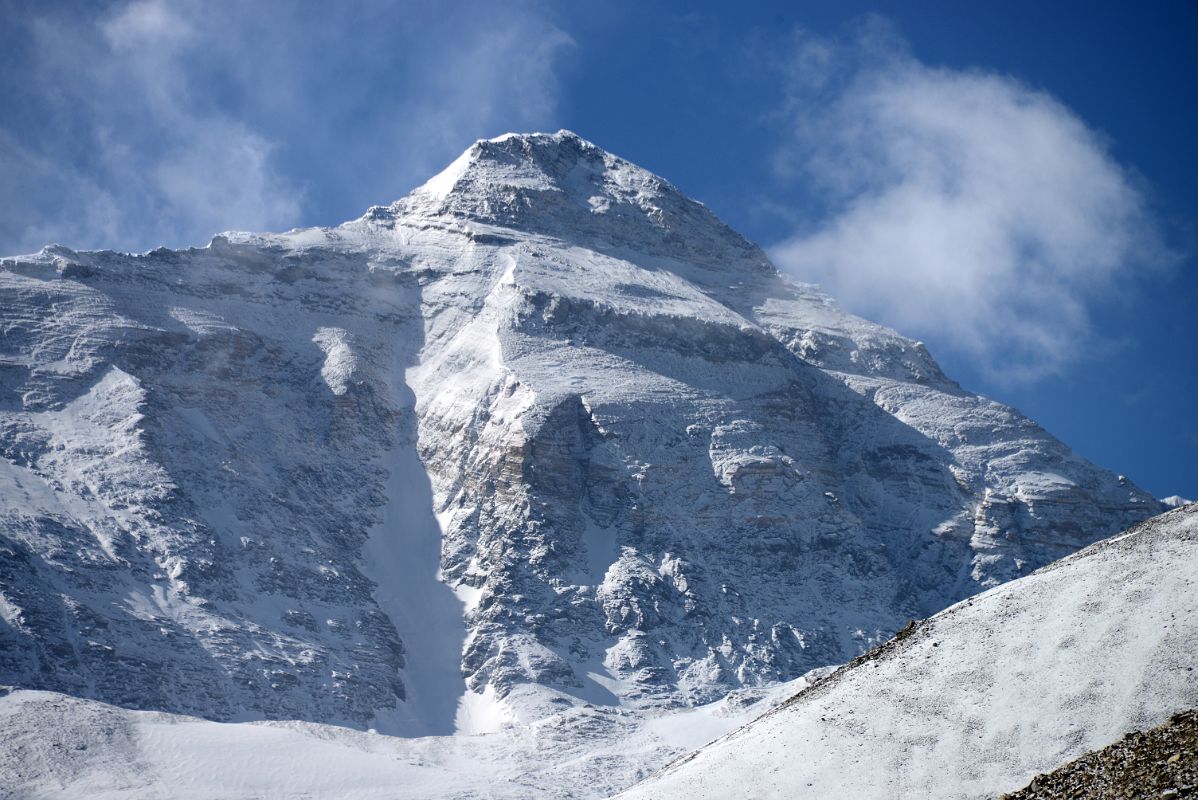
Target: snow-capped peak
538, 161
561, 185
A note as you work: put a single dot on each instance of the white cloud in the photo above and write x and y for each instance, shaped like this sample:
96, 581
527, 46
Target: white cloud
128, 155
149, 122
964, 207
144, 22
222, 178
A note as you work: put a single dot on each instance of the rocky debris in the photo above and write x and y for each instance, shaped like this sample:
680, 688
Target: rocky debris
1160, 763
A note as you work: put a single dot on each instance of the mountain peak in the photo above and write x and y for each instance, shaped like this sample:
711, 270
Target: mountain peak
561, 185
543, 161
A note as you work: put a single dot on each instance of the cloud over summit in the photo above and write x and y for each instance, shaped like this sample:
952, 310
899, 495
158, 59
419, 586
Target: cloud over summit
963, 206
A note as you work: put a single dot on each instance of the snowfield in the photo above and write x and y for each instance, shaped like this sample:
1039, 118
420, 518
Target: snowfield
55, 746
980, 698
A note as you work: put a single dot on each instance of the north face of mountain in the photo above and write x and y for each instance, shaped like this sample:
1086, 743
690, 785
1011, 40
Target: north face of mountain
544, 431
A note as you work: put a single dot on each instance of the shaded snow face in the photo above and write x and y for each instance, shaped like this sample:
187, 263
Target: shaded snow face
545, 406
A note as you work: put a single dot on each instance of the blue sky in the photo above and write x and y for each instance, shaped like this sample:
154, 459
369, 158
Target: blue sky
1011, 182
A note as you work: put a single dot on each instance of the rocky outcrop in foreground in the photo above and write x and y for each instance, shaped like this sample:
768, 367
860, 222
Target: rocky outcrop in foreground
1156, 764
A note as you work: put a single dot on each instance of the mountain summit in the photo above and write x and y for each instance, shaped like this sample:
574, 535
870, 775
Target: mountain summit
563, 186
543, 433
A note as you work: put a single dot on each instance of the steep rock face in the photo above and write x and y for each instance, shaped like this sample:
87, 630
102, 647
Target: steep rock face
660, 469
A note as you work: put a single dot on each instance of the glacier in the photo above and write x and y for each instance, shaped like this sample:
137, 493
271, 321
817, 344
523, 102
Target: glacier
543, 436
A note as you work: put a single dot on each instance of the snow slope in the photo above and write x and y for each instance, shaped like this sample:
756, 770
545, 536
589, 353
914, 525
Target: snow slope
543, 433
61, 747
982, 697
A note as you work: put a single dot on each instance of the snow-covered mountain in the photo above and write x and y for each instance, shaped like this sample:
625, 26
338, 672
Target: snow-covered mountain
968, 704
982, 697
543, 433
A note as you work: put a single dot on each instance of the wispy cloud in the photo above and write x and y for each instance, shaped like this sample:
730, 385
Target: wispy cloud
962, 206
148, 122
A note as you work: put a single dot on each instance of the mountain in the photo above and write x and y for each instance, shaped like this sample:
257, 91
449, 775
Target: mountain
544, 433
970, 703
983, 696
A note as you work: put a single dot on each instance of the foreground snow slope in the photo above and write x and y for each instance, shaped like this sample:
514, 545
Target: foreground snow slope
983, 696
61, 747
544, 432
